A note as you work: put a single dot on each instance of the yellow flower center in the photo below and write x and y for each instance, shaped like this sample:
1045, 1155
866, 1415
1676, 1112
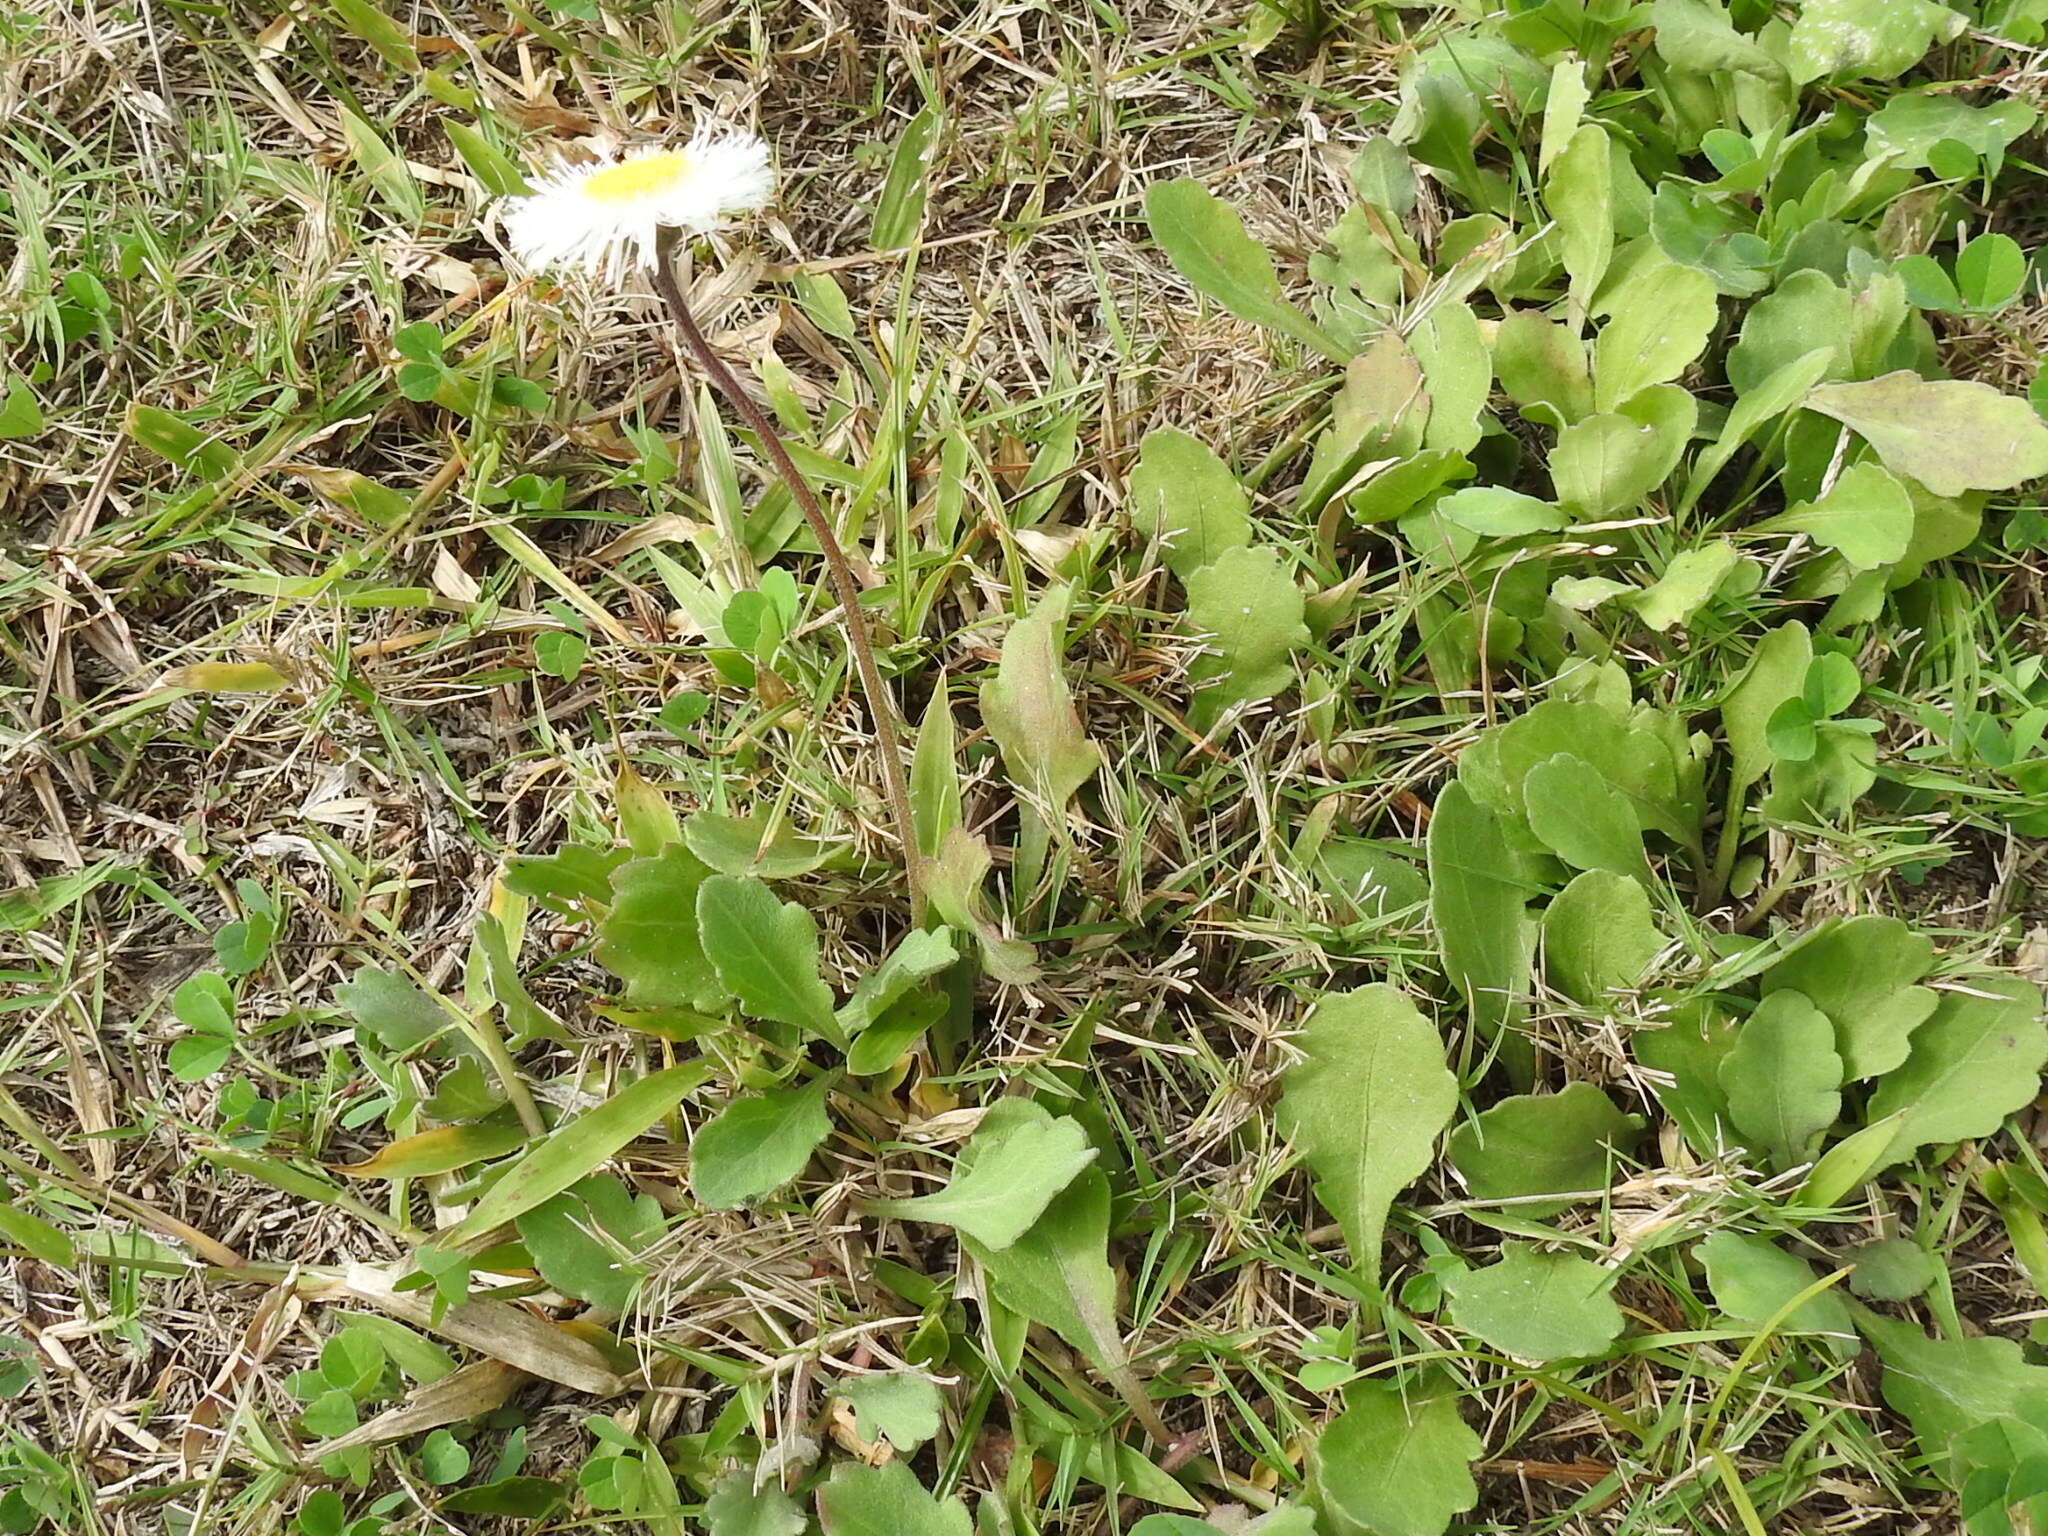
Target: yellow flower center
636, 179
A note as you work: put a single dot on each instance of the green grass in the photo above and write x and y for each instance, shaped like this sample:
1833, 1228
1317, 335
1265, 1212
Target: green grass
469, 639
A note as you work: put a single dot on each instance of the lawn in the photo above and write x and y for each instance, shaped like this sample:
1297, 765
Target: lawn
1458, 599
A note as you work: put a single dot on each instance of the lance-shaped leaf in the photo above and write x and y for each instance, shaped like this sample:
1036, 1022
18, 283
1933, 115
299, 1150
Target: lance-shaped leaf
1482, 923
1365, 1106
1021, 1161
575, 1148
1783, 1079
1251, 611
1187, 498
1776, 672
1058, 1273
1029, 709
1207, 244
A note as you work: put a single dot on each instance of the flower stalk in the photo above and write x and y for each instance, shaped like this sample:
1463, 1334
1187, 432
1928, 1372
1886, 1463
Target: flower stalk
881, 711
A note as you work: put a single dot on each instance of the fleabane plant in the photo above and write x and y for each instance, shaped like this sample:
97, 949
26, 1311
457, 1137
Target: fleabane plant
606, 217
630, 212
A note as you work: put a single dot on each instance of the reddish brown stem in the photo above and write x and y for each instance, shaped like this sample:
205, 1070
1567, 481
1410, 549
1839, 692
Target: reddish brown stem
880, 710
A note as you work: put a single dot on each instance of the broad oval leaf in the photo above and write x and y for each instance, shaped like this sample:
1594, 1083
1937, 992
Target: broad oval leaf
753, 1147
1952, 435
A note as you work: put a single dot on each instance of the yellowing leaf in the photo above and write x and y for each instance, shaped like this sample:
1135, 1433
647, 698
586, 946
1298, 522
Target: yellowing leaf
226, 677
1030, 711
441, 1150
1952, 435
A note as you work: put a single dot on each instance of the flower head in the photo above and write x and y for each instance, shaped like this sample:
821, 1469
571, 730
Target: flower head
603, 217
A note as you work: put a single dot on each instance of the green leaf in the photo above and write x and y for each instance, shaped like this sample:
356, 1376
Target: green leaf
205, 1003
391, 41
527, 1498
1562, 1143
935, 774
575, 1149
1365, 1106
737, 1508
1580, 196
584, 1240
1394, 1463
36, 1237
1783, 1080
1458, 372
21, 414
443, 1149
394, 1013
174, 438
1855, 38
901, 1406
899, 208
1946, 1386
919, 955
1661, 318
881, 1044
766, 953
1029, 709
1976, 1060
1753, 1280
1892, 1269
1689, 582
494, 170
1808, 312
1207, 244
1021, 1162
1495, 512
752, 845
1252, 613
1907, 127
1860, 972
886, 1501
650, 939
1185, 497
1865, 515
1537, 1306
1579, 817
1599, 936
1697, 36
1990, 271
753, 1147
1952, 435
1399, 486
1776, 672
1772, 397
1542, 367
1610, 462
1480, 912
384, 169
1058, 1272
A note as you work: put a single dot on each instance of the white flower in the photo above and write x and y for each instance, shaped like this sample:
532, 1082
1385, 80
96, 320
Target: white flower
602, 217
